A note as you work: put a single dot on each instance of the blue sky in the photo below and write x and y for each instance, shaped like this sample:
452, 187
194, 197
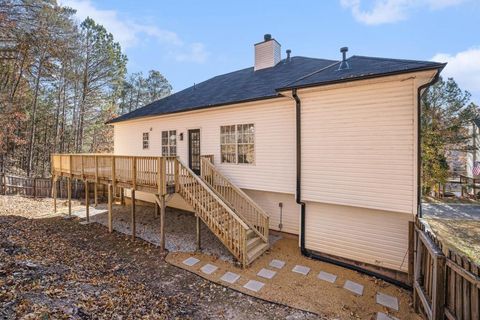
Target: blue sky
191, 41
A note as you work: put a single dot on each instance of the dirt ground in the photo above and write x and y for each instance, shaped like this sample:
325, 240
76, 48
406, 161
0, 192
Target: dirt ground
57, 268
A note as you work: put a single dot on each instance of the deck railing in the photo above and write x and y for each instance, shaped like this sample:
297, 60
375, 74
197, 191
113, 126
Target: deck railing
153, 174
254, 216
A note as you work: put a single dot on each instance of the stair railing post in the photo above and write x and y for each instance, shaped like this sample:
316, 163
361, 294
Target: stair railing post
177, 173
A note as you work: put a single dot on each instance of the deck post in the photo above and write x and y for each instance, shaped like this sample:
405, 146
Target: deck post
122, 197
162, 223
95, 193
69, 195
110, 201
198, 233
87, 201
54, 191
133, 214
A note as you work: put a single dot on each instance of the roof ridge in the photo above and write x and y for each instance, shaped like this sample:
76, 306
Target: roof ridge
312, 73
394, 59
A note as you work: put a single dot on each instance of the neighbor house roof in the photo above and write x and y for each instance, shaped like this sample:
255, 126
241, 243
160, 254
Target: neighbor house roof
248, 85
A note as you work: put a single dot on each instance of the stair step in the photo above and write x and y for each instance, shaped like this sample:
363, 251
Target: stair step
253, 242
257, 251
250, 234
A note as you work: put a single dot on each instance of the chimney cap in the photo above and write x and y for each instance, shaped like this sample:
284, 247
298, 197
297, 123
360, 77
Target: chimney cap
343, 49
267, 37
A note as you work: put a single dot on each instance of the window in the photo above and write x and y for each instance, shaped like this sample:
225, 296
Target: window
237, 143
145, 140
169, 143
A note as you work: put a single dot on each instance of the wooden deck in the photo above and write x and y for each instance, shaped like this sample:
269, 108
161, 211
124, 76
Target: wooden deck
239, 223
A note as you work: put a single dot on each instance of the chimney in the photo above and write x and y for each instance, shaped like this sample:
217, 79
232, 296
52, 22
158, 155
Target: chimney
344, 64
267, 53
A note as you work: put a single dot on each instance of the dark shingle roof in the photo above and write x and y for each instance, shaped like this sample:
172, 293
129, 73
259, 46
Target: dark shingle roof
477, 122
247, 84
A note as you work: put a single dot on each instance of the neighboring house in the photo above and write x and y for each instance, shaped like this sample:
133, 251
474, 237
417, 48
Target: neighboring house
473, 154
329, 149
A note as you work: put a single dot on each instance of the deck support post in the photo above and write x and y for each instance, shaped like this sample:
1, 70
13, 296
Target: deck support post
87, 201
95, 194
122, 197
199, 248
69, 195
162, 223
110, 202
54, 193
133, 213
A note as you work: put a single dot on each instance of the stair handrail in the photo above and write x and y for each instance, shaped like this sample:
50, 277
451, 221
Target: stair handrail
242, 256
260, 215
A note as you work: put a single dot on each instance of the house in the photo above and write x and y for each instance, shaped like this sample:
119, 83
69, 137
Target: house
473, 154
328, 149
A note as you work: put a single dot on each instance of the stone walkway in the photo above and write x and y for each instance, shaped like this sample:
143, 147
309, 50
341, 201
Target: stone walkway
255, 285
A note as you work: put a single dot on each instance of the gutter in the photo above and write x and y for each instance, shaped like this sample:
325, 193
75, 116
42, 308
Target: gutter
298, 199
419, 140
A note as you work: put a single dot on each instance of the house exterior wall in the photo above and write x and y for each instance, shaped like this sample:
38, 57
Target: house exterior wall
270, 180
274, 119
473, 155
359, 168
375, 237
288, 216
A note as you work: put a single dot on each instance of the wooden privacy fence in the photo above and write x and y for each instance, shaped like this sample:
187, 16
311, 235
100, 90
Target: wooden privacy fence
446, 284
42, 187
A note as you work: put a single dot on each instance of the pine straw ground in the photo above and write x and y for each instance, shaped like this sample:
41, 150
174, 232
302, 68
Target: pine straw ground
55, 268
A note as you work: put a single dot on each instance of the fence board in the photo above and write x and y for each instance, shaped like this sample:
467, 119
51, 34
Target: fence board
42, 187
446, 282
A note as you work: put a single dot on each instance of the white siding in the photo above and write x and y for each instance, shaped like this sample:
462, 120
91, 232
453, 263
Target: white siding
358, 146
371, 236
473, 155
274, 168
269, 201
267, 54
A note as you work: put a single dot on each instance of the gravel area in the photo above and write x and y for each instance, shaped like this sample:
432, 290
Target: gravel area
180, 227
56, 268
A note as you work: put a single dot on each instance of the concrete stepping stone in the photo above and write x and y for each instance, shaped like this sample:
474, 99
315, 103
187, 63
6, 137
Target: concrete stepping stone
265, 273
279, 264
254, 285
301, 269
190, 261
383, 316
230, 277
387, 301
325, 276
353, 287
209, 268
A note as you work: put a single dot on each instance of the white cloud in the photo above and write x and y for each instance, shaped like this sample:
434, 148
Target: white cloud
196, 53
464, 67
390, 11
129, 32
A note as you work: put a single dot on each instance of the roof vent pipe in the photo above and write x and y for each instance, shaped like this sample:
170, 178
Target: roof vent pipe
344, 65
288, 55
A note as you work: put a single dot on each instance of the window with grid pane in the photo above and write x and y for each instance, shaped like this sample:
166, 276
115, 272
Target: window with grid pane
145, 140
237, 143
169, 143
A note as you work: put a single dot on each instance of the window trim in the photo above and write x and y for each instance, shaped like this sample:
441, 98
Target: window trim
236, 163
147, 141
169, 146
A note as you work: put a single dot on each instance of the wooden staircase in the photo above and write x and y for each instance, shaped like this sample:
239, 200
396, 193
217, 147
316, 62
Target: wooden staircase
237, 232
